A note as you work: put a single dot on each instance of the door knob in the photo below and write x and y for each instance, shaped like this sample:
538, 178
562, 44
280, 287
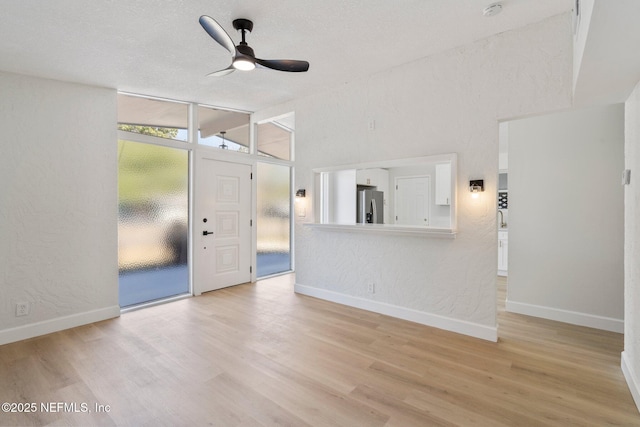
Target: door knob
205, 232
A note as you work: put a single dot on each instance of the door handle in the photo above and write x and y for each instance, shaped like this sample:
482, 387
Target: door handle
205, 232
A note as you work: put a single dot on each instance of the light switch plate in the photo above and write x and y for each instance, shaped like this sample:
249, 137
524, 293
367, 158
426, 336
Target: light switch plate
626, 177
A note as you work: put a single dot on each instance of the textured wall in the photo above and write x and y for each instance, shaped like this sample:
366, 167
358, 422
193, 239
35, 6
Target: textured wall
58, 215
450, 102
631, 355
566, 216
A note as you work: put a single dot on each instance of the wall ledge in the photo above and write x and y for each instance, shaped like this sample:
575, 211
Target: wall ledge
428, 319
389, 229
566, 316
58, 324
631, 378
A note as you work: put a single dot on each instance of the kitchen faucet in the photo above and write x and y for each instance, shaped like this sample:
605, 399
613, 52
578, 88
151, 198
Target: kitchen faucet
502, 223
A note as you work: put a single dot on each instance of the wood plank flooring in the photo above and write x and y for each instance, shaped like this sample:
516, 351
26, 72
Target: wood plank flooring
260, 355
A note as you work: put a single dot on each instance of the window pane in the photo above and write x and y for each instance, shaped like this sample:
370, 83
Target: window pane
273, 221
274, 140
223, 129
153, 190
155, 117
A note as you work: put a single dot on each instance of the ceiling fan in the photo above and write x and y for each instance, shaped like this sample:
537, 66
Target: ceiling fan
243, 57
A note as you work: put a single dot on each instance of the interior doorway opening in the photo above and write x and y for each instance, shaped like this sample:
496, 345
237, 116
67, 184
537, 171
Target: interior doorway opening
565, 219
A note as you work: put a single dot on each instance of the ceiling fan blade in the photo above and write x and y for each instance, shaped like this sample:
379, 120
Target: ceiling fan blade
217, 33
290, 65
230, 69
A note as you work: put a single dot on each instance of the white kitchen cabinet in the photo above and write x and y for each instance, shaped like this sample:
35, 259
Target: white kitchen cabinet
443, 184
503, 253
373, 177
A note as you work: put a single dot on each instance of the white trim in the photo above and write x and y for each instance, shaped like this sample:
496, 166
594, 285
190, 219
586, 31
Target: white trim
157, 98
566, 316
631, 378
412, 161
292, 219
476, 330
218, 107
254, 222
153, 303
58, 324
389, 229
154, 140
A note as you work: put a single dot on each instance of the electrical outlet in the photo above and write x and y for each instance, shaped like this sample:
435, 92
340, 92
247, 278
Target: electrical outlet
22, 309
371, 288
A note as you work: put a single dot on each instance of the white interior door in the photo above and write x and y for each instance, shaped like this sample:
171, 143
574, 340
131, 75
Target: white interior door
222, 225
412, 200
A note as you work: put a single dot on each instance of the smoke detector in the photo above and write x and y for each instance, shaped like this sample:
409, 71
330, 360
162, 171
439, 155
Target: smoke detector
492, 10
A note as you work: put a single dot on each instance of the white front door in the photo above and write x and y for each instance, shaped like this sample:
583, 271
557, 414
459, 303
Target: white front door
222, 225
412, 200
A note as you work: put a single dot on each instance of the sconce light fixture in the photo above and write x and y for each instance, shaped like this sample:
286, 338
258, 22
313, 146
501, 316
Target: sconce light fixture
476, 187
301, 193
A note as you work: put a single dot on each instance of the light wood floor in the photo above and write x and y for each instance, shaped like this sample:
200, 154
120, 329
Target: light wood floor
262, 355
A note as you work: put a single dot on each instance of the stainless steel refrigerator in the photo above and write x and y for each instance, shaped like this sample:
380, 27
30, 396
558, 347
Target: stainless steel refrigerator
370, 207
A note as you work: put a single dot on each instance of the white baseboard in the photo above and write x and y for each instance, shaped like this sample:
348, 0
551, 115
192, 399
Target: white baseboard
630, 377
454, 325
566, 316
58, 324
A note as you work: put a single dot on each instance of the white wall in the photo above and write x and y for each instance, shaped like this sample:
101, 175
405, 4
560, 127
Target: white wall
341, 196
449, 102
566, 217
58, 205
631, 354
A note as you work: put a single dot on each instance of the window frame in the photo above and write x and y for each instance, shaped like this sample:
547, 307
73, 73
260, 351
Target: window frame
252, 157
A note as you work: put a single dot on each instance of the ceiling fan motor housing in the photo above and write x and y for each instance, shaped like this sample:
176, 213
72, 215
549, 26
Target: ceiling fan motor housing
243, 24
246, 50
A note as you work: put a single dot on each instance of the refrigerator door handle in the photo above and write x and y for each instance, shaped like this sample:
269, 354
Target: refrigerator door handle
374, 212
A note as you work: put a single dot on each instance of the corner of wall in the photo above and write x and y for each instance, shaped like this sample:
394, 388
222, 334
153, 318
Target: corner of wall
630, 355
631, 378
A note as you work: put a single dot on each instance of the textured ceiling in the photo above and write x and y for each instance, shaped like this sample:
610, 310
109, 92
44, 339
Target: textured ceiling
157, 47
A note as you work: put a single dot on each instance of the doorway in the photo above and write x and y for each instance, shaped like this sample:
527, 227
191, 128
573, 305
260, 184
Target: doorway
412, 200
222, 224
565, 219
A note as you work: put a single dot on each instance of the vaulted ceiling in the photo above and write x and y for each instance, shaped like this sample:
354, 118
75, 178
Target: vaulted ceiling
157, 47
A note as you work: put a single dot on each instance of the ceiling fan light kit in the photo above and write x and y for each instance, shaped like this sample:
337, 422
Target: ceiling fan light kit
244, 63
243, 57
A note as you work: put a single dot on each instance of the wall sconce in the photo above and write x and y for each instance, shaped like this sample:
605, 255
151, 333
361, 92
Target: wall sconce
301, 208
476, 187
